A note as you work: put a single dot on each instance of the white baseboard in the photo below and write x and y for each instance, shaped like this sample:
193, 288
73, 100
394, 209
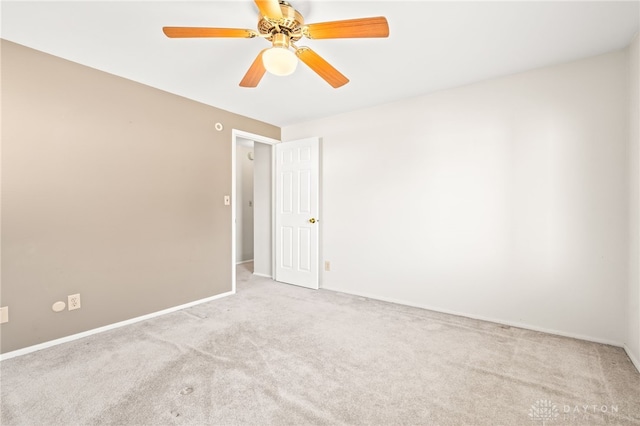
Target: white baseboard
481, 318
244, 261
632, 357
257, 274
87, 333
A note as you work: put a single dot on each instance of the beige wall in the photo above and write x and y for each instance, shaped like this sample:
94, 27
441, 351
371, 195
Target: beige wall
505, 199
633, 317
110, 189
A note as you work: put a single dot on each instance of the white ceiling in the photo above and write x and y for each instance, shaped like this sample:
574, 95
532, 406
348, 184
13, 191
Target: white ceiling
432, 46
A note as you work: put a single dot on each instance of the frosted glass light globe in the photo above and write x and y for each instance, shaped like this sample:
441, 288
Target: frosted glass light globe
279, 61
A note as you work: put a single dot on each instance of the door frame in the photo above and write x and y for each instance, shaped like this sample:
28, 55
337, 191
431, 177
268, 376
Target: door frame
235, 134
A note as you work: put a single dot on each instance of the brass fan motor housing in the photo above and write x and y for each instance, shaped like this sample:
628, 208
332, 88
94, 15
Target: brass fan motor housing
290, 24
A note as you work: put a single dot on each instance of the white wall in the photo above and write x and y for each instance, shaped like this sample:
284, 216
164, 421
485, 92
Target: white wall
505, 199
244, 204
262, 209
633, 318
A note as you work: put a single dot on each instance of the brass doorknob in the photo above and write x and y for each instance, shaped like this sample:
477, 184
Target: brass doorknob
312, 220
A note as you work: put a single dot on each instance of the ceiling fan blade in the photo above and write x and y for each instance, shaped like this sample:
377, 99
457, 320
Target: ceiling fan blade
187, 32
269, 9
351, 28
255, 72
323, 68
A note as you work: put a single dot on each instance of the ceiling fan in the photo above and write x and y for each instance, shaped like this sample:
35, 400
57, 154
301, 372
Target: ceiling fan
283, 25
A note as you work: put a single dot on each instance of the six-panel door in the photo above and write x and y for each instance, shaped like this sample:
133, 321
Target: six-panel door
296, 219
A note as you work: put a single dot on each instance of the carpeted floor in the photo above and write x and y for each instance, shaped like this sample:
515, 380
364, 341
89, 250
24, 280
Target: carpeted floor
279, 354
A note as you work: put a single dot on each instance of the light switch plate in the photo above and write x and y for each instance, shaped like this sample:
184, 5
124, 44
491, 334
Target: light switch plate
227, 200
4, 314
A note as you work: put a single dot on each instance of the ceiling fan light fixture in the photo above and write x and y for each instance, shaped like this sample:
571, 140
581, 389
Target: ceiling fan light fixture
279, 61
283, 26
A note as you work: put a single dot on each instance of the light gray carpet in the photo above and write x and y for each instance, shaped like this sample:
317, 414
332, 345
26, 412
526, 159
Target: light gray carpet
279, 354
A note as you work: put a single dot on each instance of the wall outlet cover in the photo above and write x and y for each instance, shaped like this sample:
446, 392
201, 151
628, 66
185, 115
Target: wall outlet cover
73, 301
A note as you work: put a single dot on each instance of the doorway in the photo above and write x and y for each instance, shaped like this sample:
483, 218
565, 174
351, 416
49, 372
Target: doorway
285, 208
244, 200
251, 202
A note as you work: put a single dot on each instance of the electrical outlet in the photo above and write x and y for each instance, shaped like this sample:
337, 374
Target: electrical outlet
73, 301
4, 314
327, 265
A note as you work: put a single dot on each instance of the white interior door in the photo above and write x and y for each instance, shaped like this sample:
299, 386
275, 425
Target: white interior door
296, 213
